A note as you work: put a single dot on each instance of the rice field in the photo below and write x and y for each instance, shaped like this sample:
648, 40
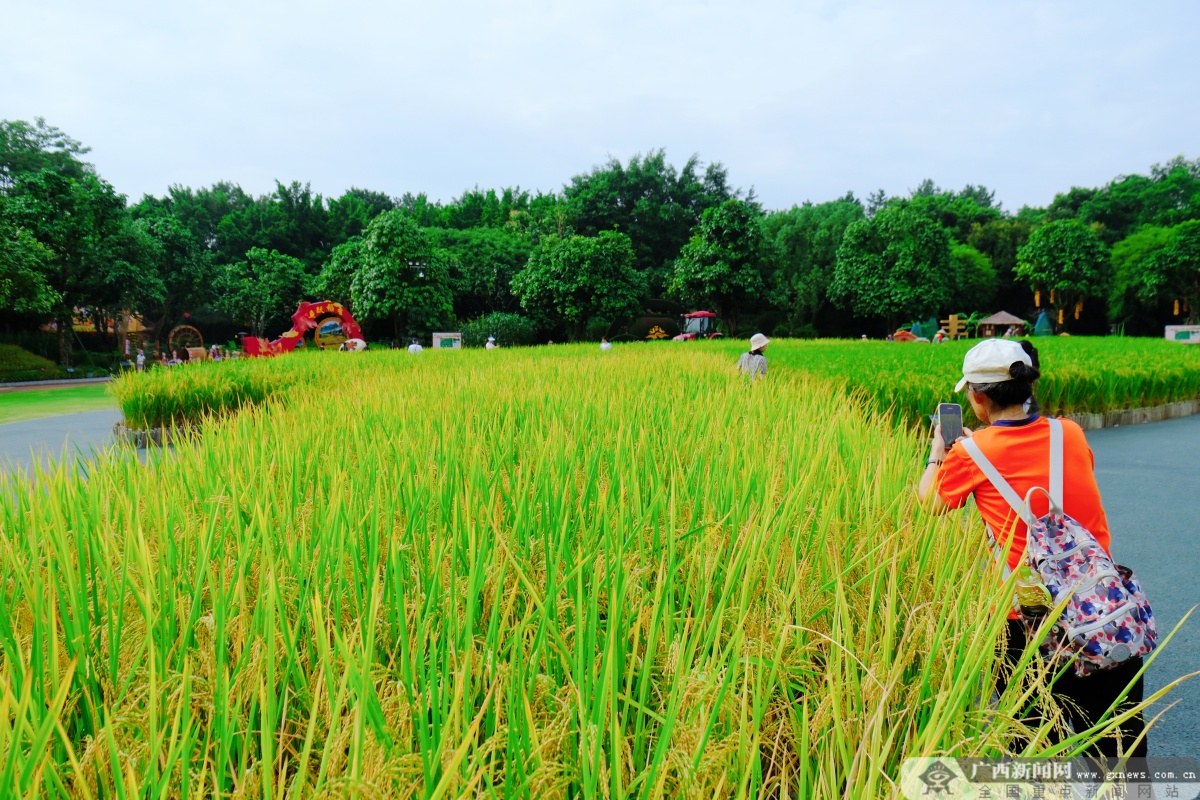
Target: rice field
908, 380
519, 573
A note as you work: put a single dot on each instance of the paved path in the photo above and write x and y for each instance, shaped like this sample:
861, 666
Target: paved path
23, 443
32, 385
1149, 478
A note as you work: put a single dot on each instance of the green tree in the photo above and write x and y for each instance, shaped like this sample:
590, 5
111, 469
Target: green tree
28, 148
264, 287
1174, 272
291, 220
725, 262
975, 284
482, 263
1131, 257
895, 265
402, 278
1000, 240
957, 212
337, 276
651, 201
1066, 259
1168, 196
579, 277
23, 286
350, 214
184, 270
804, 243
84, 227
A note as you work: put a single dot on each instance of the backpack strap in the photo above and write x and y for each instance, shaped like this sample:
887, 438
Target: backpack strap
1056, 465
997, 480
1006, 491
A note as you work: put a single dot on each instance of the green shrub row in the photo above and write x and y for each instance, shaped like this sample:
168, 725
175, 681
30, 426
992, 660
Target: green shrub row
17, 364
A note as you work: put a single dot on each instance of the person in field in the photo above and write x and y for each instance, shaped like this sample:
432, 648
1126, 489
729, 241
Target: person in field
753, 362
605, 345
415, 348
491, 343
998, 375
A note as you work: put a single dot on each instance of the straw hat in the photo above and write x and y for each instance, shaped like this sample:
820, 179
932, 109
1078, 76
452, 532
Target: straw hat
758, 341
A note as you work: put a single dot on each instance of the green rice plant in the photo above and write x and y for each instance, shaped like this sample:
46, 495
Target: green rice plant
1079, 375
518, 573
187, 394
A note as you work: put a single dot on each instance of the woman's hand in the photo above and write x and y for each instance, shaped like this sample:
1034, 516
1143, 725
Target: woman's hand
937, 447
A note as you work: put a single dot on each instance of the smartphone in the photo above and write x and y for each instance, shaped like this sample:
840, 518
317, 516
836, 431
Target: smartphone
950, 418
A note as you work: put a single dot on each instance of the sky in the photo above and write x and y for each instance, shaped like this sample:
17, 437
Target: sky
799, 100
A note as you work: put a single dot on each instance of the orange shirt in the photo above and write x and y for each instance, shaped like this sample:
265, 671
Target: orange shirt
1021, 453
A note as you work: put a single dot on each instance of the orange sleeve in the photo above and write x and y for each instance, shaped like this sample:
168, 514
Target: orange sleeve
957, 477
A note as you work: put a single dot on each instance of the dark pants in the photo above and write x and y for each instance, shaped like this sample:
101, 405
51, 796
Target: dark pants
1089, 697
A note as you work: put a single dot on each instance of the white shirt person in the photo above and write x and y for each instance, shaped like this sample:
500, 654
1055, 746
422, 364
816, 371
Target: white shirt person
754, 363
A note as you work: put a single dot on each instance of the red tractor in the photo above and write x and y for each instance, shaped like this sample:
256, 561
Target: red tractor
699, 325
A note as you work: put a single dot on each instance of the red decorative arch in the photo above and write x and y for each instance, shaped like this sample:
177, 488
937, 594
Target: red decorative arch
307, 317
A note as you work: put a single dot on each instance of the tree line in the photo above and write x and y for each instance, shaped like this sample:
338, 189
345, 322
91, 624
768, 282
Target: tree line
579, 261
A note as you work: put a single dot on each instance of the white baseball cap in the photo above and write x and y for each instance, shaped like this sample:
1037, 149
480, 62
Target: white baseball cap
758, 340
989, 362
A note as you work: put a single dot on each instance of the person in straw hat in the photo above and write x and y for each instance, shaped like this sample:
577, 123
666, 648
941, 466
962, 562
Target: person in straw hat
754, 363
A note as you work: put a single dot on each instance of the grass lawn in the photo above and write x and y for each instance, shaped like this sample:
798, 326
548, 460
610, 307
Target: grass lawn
33, 403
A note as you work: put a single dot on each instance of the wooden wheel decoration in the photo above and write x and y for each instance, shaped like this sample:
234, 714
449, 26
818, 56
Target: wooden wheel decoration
182, 337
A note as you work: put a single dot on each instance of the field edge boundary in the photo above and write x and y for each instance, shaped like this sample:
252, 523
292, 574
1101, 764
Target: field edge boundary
1135, 416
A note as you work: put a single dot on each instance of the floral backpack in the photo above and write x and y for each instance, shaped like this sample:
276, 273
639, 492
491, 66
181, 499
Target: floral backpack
1107, 619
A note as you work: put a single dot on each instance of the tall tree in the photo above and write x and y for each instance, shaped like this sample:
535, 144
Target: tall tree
1174, 272
401, 277
184, 268
23, 286
1000, 240
725, 261
482, 263
350, 214
1066, 262
957, 212
656, 205
1133, 257
804, 243
266, 286
28, 148
84, 226
896, 264
337, 276
577, 278
975, 281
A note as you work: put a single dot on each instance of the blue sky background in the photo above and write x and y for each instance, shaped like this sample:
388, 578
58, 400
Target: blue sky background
802, 101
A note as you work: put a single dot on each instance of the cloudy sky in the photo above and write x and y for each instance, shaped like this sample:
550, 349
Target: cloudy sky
800, 100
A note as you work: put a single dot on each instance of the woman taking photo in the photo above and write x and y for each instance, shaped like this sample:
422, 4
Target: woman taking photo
998, 375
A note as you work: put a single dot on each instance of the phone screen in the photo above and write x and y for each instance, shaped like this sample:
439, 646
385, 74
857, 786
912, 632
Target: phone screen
950, 418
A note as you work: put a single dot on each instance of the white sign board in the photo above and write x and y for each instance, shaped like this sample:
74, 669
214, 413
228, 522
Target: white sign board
448, 341
1188, 334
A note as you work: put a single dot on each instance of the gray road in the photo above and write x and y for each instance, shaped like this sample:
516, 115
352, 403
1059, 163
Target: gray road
24, 443
1149, 479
